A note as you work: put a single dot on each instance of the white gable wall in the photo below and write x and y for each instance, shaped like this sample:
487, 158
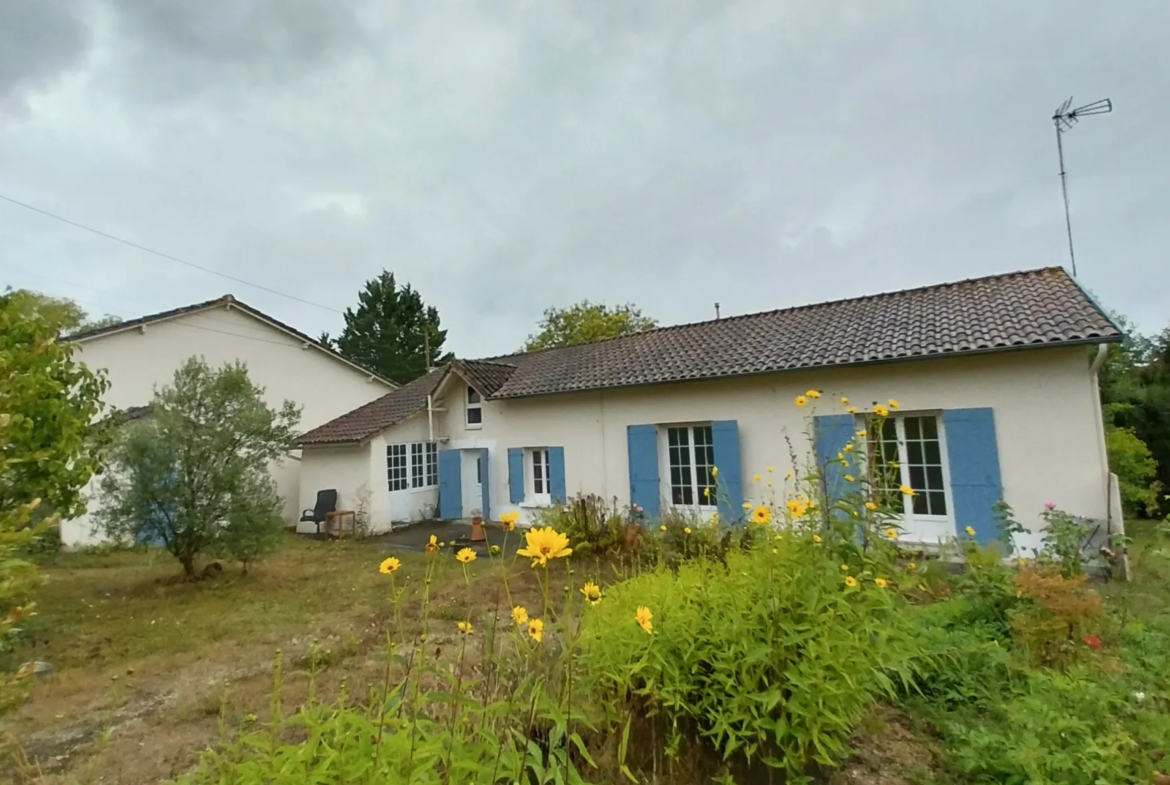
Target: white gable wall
139, 360
1051, 447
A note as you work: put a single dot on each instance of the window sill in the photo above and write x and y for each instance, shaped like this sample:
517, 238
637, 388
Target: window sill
474, 426
536, 504
424, 489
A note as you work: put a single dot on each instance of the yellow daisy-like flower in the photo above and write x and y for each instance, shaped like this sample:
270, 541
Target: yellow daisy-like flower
788, 476
796, 508
881, 583
706, 491
543, 545
844, 401
870, 506
520, 615
714, 471
769, 485
800, 400
881, 411
850, 478
911, 566
714, 519
762, 515
863, 433
591, 592
536, 630
813, 394
747, 505
390, 566
907, 490
970, 532
892, 534
817, 539
850, 581
893, 404
662, 528
848, 448
645, 619
844, 568
465, 627
465, 556
508, 521
756, 478
433, 546
686, 530
769, 470
852, 410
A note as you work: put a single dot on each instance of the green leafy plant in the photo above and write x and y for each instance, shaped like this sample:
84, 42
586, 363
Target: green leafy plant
1136, 469
1065, 540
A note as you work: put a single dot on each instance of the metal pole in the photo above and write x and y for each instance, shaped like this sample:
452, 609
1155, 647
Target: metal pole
1064, 190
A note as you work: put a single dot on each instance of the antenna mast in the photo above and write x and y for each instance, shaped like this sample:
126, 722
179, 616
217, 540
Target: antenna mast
1064, 119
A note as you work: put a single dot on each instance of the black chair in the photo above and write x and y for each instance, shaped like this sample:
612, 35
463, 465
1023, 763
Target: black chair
326, 503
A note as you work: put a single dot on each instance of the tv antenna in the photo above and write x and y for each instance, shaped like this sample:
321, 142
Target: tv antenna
1064, 119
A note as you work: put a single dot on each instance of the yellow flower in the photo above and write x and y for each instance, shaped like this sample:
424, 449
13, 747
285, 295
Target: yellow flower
536, 630
714, 471
662, 528
592, 592
850, 581
844, 568
863, 433
788, 476
756, 478
796, 508
433, 545
850, 478
465, 556
870, 506
390, 566
541, 545
706, 491
907, 490
644, 618
844, 401
841, 458
893, 403
892, 534
817, 538
848, 448
769, 470
465, 627
747, 505
881, 411
852, 410
881, 583
813, 394
714, 519
970, 532
769, 485
800, 400
686, 530
520, 615
762, 515
508, 521
911, 566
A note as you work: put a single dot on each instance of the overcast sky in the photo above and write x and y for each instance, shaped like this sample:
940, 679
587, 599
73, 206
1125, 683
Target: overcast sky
504, 157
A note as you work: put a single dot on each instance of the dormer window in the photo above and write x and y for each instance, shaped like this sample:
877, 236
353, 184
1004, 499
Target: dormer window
474, 409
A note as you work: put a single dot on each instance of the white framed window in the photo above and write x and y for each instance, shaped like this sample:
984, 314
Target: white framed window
396, 467
910, 450
417, 474
432, 464
689, 458
538, 480
474, 409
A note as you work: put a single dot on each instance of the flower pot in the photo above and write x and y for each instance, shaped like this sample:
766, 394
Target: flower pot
477, 532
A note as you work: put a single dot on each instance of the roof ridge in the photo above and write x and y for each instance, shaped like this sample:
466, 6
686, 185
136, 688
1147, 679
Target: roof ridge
791, 308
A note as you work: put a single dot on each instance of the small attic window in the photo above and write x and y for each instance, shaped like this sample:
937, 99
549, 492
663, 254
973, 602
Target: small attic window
474, 408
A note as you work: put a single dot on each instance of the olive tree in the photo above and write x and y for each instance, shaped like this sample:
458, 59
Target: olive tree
193, 476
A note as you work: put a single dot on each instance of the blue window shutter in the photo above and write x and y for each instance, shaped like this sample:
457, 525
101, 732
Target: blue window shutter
729, 481
973, 458
450, 485
556, 474
485, 484
515, 475
830, 435
642, 442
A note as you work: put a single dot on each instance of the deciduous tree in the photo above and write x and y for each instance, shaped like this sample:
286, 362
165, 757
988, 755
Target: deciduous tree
194, 475
587, 322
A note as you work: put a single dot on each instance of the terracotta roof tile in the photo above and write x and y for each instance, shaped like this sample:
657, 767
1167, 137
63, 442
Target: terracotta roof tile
366, 421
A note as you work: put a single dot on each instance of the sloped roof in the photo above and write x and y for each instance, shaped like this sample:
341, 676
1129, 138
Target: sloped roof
359, 425
1030, 309
228, 301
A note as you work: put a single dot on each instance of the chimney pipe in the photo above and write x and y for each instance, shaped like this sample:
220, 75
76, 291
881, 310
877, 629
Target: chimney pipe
717, 310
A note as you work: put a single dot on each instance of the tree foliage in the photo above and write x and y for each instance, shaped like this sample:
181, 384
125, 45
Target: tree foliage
64, 314
193, 477
587, 322
390, 330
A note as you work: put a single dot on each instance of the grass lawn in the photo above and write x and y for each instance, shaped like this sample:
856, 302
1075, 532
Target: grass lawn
143, 662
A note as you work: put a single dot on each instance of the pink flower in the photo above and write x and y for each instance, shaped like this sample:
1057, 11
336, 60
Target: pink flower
1049, 506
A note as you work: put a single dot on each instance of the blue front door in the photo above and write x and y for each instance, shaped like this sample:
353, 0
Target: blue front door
450, 485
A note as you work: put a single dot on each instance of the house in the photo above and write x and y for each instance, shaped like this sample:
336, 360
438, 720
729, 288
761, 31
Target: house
143, 354
995, 380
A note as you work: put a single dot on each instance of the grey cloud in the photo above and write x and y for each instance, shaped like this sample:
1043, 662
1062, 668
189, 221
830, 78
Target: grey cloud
39, 39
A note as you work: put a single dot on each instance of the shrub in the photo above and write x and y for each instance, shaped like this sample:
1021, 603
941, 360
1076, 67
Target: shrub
1049, 626
597, 528
773, 657
1133, 463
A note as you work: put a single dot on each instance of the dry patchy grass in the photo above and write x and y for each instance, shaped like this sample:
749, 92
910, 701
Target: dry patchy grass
144, 664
